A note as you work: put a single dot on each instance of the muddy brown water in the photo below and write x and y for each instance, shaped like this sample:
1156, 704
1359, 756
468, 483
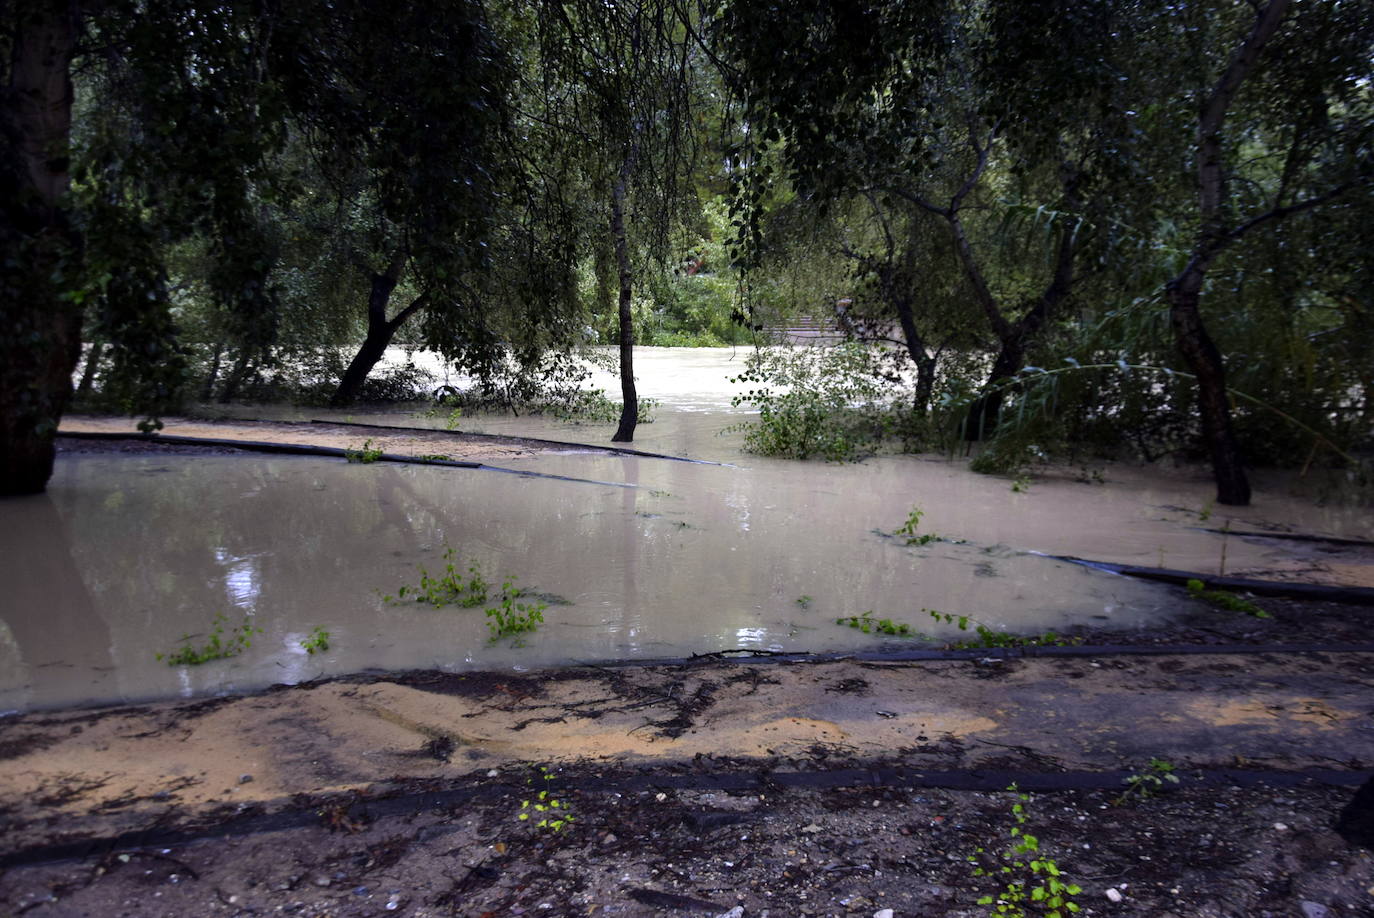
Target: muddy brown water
126, 554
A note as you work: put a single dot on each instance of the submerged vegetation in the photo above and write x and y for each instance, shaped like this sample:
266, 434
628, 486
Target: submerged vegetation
509, 617
451, 586
985, 637
219, 645
1223, 599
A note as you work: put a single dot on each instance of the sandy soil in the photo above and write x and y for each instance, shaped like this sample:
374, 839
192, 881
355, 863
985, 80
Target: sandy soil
838, 788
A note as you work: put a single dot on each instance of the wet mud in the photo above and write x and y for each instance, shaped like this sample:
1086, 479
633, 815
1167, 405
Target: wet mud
827, 788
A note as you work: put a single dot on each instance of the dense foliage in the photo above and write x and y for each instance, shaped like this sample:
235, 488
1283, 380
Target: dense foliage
1001, 202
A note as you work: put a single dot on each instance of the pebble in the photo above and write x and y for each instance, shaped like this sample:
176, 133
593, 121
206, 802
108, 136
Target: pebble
736, 912
883, 913
1281, 826
811, 829
245, 779
1312, 909
1113, 894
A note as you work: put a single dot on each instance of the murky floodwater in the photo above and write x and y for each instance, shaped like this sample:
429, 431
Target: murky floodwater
125, 554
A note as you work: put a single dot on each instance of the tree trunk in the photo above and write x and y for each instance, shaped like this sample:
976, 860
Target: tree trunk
629, 410
40, 345
207, 388
373, 349
916, 350
1204, 360
984, 414
92, 366
236, 377
1184, 292
380, 331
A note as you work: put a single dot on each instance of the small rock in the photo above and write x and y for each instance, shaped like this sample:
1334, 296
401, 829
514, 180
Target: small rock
322, 881
1282, 827
609, 839
1314, 910
736, 912
1113, 894
393, 904
883, 913
493, 773
812, 829
245, 779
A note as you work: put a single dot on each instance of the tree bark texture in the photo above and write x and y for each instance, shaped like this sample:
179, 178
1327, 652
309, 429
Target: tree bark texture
40, 321
629, 411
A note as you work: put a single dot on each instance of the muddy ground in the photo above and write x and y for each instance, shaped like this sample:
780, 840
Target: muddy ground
842, 787
834, 787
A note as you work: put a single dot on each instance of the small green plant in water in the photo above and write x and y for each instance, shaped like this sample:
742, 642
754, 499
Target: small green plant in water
512, 618
366, 453
551, 812
1020, 484
317, 642
990, 638
1224, 600
1148, 782
219, 646
449, 588
908, 529
868, 624
805, 601
1031, 880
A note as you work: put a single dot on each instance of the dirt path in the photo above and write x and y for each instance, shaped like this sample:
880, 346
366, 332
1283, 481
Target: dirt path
305, 760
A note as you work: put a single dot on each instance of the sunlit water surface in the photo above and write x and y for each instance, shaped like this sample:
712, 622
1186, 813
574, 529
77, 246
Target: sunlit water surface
126, 554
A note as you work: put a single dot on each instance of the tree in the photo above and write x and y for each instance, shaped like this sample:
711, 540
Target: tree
910, 108
1220, 223
620, 80
40, 273
72, 245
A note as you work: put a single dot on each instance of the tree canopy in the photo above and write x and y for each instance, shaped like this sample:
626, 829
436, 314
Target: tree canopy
999, 193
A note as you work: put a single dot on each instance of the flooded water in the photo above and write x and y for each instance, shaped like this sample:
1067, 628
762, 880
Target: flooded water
126, 554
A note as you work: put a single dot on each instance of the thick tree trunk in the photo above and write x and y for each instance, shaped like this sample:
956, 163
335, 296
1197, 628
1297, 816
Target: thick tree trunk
40, 330
1214, 408
368, 356
629, 411
984, 414
380, 331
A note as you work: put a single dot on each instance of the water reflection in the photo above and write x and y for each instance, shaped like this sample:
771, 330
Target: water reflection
53, 642
696, 558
